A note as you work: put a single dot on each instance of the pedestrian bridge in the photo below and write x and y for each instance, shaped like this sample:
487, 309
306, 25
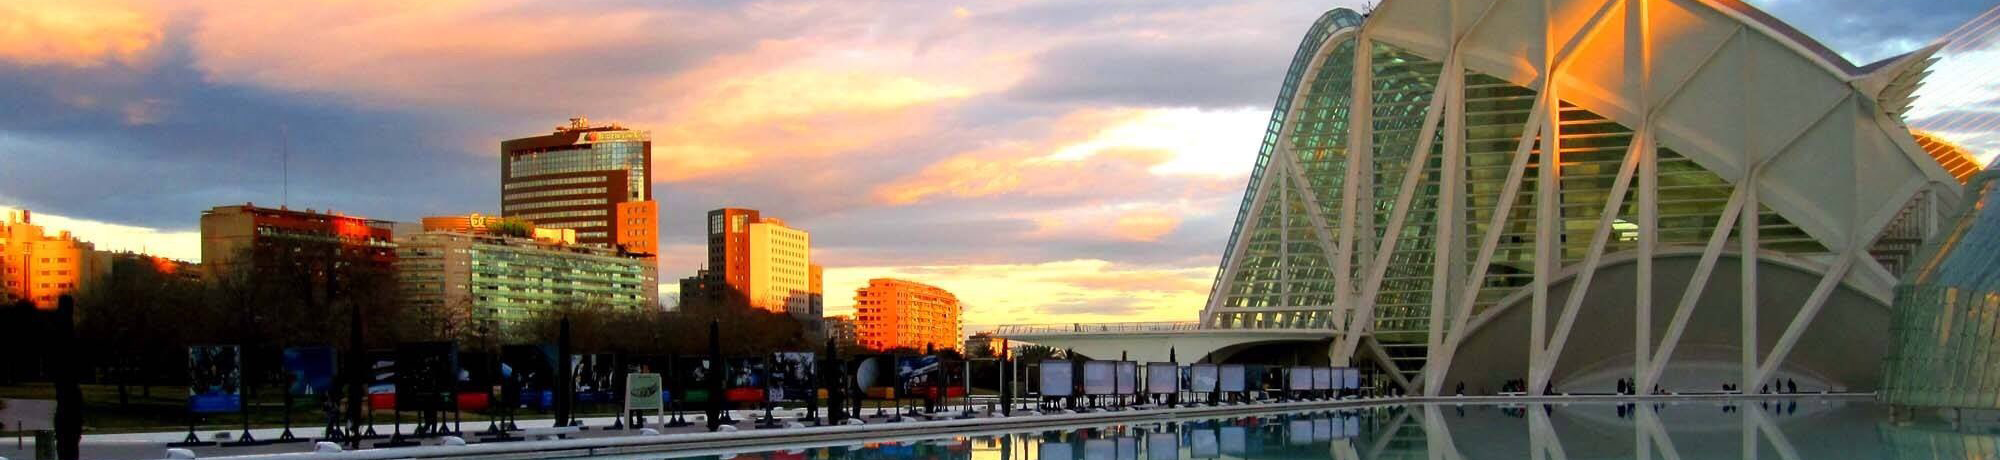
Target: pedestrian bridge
1168, 341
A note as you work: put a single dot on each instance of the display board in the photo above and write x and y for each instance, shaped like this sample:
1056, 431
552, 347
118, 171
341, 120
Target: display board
645, 392
426, 375
215, 378
1231, 377
310, 370
691, 377
792, 376
1301, 378
1128, 378
1099, 377
381, 380
1299, 431
745, 382
1350, 378
916, 373
1057, 379
1203, 378
595, 377
528, 375
1162, 378
1322, 378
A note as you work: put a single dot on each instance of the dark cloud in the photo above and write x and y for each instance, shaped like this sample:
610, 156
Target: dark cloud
1868, 30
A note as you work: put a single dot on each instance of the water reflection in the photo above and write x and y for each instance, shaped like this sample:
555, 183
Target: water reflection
1783, 429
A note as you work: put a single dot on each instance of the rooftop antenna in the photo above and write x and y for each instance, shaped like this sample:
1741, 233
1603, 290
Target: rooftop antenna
285, 165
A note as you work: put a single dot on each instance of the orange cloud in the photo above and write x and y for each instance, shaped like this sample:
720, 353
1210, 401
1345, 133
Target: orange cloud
1146, 226
76, 33
1049, 292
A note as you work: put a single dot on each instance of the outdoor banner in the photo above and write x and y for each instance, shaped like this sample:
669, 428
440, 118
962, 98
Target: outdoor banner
311, 370
1057, 379
478, 376
916, 372
645, 392
381, 380
691, 377
1162, 377
1128, 377
1202, 378
1322, 378
1350, 378
1301, 378
1163, 446
873, 375
792, 376
745, 380
215, 378
1231, 377
1099, 377
594, 377
425, 375
527, 376
1202, 444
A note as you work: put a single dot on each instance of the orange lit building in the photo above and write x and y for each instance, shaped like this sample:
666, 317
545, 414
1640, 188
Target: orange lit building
40, 268
283, 238
767, 262
892, 313
595, 179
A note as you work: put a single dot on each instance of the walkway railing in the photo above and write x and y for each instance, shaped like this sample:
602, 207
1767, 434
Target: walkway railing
1085, 328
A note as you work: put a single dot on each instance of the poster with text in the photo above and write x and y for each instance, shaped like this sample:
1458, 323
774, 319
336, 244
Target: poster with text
792, 376
382, 379
645, 392
745, 382
1301, 378
1202, 378
215, 378
1128, 377
1162, 377
1057, 379
1099, 377
1231, 377
527, 375
310, 370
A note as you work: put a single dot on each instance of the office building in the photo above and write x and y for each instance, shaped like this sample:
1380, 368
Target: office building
39, 267
500, 281
891, 313
762, 259
275, 240
842, 329
594, 179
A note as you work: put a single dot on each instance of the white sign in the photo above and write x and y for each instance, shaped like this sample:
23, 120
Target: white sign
642, 392
1322, 378
1056, 378
1301, 378
1298, 432
1202, 378
1232, 377
1162, 378
1099, 378
1128, 377
1350, 378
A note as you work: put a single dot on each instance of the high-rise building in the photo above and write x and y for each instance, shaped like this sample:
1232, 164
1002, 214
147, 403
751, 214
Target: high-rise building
39, 267
762, 259
842, 329
497, 281
892, 313
292, 240
593, 179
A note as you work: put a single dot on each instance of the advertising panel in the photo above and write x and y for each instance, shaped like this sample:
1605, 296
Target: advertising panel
691, 378
875, 375
644, 392
1350, 378
528, 375
916, 373
381, 380
595, 377
1202, 378
215, 378
1057, 379
311, 370
1099, 377
1301, 378
1322, 378
792, 376
426, 375
1231, 377
1128, 377
1162, 377
745, 381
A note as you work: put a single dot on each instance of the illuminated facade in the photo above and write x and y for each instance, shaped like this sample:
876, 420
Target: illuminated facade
1570, 193
284, 240
1945, 323
497, 282
476, 223
596, 180
765, 261
892, 313
39, 267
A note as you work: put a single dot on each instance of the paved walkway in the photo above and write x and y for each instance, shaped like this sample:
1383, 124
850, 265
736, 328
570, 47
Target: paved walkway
32, 413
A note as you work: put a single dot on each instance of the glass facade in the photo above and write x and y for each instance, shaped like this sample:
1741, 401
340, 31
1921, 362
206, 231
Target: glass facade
1947, 313
629, 156
1285, 279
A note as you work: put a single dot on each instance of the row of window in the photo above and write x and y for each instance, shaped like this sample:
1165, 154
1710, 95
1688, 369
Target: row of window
560, 192
562, 214
547, 182
554, 204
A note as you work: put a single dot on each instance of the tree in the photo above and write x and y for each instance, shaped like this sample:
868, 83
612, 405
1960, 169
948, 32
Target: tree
513, 227
1035, 353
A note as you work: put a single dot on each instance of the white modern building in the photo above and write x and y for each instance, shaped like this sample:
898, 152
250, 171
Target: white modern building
1684, 193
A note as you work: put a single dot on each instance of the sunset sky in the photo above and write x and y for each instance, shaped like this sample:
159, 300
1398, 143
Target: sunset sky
1047, 160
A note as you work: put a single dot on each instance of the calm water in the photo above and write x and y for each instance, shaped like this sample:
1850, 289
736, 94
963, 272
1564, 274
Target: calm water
1803, 429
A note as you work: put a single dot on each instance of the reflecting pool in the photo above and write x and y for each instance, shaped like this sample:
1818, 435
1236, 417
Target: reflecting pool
1785, 429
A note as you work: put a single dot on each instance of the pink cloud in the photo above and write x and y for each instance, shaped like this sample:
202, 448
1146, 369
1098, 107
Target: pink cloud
78, 33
